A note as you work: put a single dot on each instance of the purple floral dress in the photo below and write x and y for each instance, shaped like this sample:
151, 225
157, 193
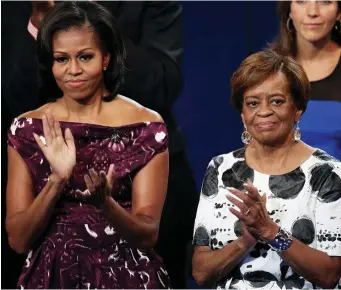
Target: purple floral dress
79, 248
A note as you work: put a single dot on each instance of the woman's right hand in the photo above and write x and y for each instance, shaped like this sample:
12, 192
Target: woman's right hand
60, 152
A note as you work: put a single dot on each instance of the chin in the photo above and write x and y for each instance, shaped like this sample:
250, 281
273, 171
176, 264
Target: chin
315, 37
80, 95
268, 138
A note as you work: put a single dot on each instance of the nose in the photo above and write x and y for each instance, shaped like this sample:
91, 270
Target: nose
264, 109
74, 67
312, 9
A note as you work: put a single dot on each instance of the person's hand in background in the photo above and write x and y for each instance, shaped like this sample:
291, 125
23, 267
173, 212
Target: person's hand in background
39, 10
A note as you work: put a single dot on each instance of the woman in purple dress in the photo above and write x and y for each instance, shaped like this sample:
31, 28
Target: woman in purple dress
88, 171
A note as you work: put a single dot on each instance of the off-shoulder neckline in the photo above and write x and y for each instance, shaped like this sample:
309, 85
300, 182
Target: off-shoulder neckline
98, 125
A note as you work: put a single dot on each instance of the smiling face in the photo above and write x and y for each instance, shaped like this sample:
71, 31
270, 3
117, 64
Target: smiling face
269, 112
78, 63
314, 20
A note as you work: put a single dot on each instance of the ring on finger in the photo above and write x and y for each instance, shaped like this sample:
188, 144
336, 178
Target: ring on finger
247, 212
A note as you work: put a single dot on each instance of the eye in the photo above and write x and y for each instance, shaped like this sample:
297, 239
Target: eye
300, 1
325, 2
86, 57
60, 59
252, 104
277, 102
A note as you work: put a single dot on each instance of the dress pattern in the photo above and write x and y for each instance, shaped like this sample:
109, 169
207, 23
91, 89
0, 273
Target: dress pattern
305, 201
79, 248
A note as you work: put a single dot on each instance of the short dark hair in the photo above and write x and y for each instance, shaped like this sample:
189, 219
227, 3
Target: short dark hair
259, 66
65, 15
285, 42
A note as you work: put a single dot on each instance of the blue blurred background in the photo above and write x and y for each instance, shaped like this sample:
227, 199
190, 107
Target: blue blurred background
217, 36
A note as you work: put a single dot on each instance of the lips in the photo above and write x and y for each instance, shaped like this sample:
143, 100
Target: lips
76, 83
313, 25
265, 125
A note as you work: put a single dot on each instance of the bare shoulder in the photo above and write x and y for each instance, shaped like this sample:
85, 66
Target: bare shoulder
37, 114
133, 112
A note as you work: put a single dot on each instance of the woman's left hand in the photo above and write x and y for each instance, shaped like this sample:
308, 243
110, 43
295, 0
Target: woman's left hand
253, 212
98, 186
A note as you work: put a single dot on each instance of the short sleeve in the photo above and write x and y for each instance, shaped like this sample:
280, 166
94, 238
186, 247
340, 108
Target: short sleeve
205, 211
155, 137
18, 137
328, 213
148, 140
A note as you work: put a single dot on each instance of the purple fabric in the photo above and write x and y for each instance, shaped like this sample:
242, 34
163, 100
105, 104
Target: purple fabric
79, 248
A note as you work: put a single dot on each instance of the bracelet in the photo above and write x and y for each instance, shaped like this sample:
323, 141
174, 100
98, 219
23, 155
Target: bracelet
281, 242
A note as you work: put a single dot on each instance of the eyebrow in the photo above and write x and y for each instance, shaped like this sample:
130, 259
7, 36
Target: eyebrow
269, 95
57, 51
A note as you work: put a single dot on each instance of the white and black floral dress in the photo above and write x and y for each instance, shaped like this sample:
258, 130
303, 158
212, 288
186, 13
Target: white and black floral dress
305, 201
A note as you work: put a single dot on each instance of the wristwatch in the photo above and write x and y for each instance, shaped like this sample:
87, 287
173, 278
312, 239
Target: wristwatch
281, 242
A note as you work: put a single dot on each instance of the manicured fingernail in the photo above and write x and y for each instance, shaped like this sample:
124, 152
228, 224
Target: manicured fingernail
231, 188
42, 140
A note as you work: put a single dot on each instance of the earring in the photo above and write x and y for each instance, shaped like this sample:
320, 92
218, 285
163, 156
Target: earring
288, 25
246, 136
297, 132
104, 68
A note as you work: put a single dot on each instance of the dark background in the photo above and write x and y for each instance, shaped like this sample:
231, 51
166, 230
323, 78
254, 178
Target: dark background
218, 36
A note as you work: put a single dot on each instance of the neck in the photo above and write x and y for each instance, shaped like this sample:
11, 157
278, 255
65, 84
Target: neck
83, 110
271, 154
314, 51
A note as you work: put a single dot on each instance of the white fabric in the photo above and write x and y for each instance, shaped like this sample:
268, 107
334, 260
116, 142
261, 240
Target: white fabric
306, 202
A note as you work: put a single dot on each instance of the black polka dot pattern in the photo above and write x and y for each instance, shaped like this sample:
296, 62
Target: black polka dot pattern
287, 186
303, 229
304, 201
284, 269
210, 183
238, 228
201, 237
328, 236
324, 156
240, 153
259, 279
326, 182
259, 250
237, 175
218, 160
294, 282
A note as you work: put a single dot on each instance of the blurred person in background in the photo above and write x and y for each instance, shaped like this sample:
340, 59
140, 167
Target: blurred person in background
310, 32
